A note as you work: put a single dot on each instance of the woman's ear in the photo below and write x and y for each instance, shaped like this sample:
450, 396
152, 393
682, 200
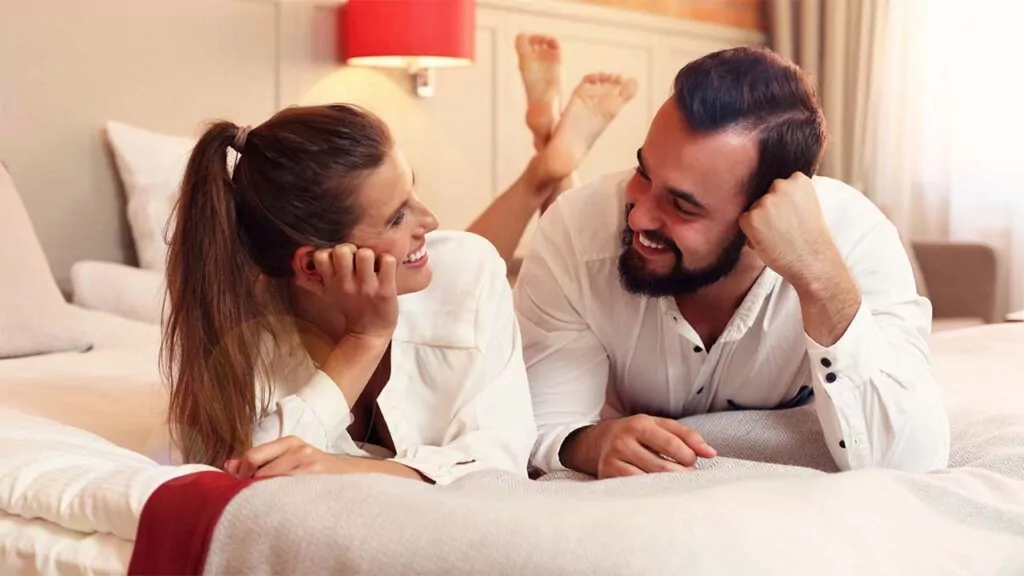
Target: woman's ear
303, 267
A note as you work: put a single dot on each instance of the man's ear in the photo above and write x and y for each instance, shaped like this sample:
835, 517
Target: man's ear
303, 267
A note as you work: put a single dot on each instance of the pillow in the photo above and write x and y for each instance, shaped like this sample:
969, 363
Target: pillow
151, 167
34, 317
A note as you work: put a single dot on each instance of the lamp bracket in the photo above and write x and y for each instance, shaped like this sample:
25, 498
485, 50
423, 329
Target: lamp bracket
424, 81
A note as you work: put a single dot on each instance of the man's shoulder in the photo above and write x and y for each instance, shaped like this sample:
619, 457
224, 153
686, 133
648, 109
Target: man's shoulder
850, 214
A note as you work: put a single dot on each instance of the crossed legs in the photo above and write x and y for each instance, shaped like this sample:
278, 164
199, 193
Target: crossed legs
561, 138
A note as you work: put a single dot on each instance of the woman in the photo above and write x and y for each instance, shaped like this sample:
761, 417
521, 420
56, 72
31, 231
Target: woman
307, 331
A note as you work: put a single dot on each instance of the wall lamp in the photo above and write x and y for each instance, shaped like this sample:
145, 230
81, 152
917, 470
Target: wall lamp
416, 35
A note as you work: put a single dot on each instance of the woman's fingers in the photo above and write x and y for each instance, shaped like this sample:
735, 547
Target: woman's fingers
263, 454
388, 270
366, 276
284, 464
344, 265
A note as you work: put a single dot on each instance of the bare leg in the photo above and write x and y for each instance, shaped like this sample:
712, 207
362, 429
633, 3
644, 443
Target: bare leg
594, 104
540, 65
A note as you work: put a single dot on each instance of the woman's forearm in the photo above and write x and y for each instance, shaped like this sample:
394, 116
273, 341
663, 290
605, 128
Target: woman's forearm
388, 467
352, 363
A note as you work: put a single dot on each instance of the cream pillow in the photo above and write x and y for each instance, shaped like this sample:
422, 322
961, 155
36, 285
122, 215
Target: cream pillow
151, 167
34, 317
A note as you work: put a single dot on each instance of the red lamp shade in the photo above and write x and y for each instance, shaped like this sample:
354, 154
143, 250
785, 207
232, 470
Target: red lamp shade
414, 34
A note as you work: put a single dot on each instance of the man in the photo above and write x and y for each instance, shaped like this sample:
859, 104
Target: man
719, 275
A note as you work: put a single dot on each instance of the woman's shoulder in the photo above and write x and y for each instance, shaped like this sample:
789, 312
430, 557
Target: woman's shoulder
469, 281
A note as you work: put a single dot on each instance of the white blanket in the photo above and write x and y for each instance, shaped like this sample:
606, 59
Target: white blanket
731, 517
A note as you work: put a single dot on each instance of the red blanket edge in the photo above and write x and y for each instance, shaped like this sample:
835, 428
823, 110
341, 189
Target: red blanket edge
177, 523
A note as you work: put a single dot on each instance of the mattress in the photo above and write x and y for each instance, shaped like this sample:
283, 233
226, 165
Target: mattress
113, 390
70, 501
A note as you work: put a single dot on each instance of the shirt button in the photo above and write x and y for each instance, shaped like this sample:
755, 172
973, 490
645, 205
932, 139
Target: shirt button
830, 377
842, 444
698, 349
826, 362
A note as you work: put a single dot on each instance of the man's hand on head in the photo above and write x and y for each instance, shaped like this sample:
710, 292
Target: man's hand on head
634, 445
788, 231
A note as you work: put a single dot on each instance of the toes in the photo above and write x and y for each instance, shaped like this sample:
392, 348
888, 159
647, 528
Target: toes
522, 43
628, 88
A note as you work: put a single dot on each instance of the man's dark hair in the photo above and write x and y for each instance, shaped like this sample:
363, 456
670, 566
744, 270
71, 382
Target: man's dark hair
754, 89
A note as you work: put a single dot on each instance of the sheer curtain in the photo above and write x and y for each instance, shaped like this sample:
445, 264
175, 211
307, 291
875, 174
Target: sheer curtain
944, 154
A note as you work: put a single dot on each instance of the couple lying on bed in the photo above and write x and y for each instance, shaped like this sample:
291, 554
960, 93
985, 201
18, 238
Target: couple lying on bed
320, 324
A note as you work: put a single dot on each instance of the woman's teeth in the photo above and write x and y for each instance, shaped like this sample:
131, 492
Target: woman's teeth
416, 256
650, 243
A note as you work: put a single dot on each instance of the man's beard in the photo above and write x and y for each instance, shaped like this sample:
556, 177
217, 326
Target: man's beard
678, 281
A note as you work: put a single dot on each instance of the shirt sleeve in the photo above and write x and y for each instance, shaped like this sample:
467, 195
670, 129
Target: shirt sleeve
875, 391
493, 427
317, 413
567, 364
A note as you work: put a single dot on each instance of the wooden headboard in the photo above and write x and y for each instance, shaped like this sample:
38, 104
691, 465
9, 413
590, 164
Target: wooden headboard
70, 66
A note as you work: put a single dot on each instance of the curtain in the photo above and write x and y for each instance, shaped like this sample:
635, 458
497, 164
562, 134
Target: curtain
944, 154
838, 43
923, 100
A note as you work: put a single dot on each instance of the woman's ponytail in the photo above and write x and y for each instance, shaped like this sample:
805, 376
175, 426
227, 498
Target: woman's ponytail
211, 342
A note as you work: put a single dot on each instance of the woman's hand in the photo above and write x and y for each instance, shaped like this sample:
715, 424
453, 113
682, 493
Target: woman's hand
366, 296
290, 456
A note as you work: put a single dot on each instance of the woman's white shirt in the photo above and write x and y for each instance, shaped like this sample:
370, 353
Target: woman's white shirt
457, 401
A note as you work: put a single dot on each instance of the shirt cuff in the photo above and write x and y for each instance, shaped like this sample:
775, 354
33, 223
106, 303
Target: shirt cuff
854, 358
441, 465
326, 401
840, 372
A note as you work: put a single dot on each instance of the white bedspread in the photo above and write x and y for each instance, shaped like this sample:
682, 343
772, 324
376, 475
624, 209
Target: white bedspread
113, 390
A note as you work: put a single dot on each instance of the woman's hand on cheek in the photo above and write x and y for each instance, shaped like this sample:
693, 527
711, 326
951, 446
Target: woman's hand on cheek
289, 456
362, 287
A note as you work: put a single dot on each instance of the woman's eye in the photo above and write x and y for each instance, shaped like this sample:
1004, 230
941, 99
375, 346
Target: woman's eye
399, 218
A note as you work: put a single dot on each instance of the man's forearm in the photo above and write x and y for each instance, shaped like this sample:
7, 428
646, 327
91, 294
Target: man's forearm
829, 301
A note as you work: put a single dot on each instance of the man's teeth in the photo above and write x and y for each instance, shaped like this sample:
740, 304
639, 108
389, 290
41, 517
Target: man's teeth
416, 256
650, 243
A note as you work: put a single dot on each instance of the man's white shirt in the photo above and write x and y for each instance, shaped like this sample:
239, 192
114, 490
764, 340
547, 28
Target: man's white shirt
594, 351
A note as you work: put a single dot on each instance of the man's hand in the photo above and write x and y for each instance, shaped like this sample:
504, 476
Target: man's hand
788, 231
635, 445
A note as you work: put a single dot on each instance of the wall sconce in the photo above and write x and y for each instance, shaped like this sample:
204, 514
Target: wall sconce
417, 35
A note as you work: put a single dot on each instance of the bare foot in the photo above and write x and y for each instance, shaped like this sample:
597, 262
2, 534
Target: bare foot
594, 104
540, 64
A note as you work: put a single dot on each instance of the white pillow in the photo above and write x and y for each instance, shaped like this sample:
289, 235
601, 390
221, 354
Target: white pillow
122, 290
34, 317
151, 167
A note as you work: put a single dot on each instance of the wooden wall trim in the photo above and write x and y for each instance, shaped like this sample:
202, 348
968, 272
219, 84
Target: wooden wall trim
604, 15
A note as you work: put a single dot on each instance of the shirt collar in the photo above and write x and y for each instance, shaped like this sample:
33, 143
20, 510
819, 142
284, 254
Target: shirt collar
744, 316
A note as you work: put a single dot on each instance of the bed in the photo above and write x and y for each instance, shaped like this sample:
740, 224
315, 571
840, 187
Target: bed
88, 486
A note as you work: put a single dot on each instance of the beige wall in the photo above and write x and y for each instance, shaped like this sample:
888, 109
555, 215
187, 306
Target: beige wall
68, 66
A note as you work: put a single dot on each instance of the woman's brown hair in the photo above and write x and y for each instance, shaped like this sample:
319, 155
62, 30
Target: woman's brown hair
294, 184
